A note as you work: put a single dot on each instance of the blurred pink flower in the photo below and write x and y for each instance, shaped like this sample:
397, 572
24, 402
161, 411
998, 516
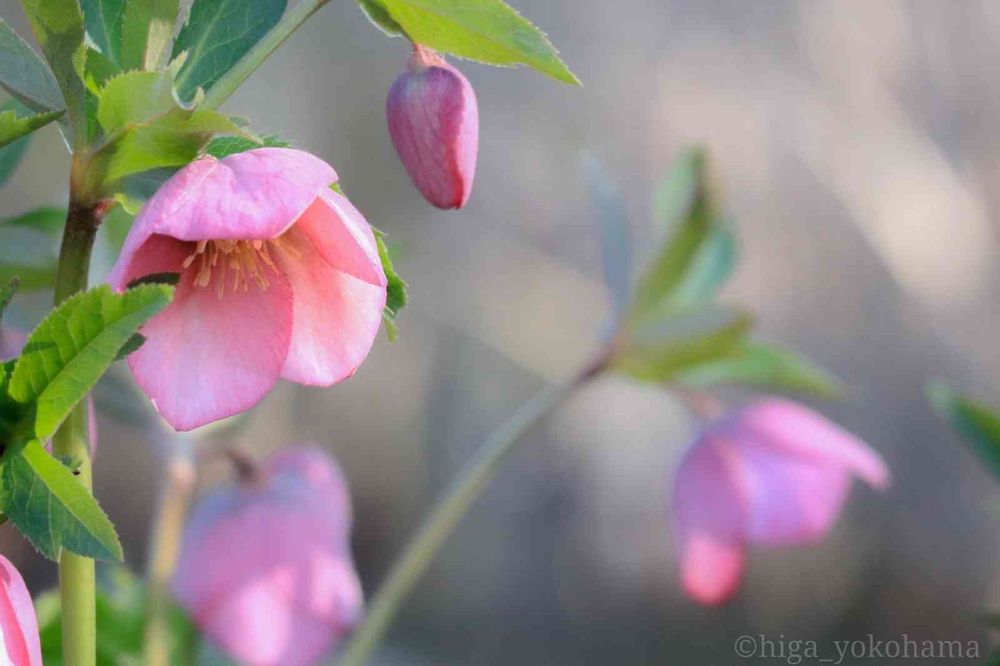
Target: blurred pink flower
265, 568
434, 125
19, 641
772, 474
279, 278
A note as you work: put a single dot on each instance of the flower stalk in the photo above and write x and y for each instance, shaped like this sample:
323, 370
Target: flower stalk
445, 517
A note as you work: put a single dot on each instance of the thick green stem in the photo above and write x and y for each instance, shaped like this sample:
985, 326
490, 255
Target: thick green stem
242, 70
76, 573
445, 517
164, 548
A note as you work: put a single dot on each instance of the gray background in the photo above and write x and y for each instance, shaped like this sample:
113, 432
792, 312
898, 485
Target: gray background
858, 143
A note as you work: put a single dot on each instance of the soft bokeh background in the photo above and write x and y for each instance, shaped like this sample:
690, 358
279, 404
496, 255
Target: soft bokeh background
859, 144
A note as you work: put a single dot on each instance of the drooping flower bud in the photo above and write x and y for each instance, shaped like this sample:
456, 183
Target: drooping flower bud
772, 474
265, 568
434, 125
19, 641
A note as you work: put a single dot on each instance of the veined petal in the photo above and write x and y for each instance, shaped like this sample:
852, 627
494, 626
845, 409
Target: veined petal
336, 316
794, 429
709, 513
254, 195
206, 357
343, 237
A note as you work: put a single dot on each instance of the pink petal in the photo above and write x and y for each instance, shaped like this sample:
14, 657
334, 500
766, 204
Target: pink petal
709, 514
797, 430
793, 500
21, 645
336, 317
255, 195
343, 237
434, 125
205, 357
11, 343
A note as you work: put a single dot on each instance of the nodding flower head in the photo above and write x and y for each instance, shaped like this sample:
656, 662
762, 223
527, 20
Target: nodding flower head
434, 125
280, 277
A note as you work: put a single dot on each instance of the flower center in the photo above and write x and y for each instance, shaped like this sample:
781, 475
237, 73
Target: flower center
238, 262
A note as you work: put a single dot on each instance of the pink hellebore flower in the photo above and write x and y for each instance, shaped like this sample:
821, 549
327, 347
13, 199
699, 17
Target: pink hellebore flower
434, 125
19, 641
265, 568
772, 474
279, 278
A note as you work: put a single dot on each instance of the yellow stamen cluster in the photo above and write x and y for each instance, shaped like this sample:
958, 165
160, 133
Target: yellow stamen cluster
246, 260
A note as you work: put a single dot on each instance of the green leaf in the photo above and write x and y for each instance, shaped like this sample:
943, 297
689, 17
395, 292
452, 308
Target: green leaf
978, 425
104, 19
489, 31
396, 292
217, 34
26, 76
225, 146
147, 26
763, 367
28, 254
49, 219
135, 97
13, 128
75, 344
379, 15
659, 351
97, 72
616, 243
7, 292
52, 509
700, 253
58, 27
11, 154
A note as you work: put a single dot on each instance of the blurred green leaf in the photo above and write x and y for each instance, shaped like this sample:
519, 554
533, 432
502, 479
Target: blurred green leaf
147, 27
379, 15
25, 76
217, 34
660, 350
49, 219
616, 243
121, 624
700, 253
224, 146
134, 190
13, 127
29, 254
764, 367
12, 154
978, 425
50, 507
76, 344
489, 31
396, 291
117, 223
103, 20
7, 292
58, 27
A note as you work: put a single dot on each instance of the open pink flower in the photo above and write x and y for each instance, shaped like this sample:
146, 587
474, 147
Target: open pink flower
279, 278
434, 125
19, 641
772, 474
265, 568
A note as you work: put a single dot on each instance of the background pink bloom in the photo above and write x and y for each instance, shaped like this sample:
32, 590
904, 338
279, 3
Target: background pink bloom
434, 125
279, 278
19, 641
11, 343
774, 473
265, 568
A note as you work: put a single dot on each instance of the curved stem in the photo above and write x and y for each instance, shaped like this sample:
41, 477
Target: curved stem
246, 66
76, 573
443, 520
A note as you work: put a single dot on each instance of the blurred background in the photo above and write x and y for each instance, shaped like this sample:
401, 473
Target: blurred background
858, 142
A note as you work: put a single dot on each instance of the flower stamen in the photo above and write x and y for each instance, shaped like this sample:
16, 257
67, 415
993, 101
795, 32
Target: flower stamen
246, 260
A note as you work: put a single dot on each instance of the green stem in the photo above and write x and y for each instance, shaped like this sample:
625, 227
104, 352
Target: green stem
76, 573
445, 517
164, 548
242, 70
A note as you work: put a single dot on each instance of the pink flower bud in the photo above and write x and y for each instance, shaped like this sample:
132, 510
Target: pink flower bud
773, 474
265, 568
434, 124
19, 641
